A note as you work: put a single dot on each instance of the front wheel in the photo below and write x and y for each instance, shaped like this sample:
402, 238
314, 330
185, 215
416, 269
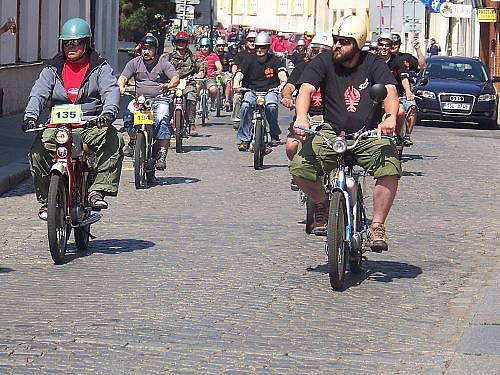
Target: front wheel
220, 99
140, 161
82, 234
336, 240
58, 227
258, 144
203, 109
178, 122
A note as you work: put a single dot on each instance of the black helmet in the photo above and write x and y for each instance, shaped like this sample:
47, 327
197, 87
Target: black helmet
396, 39
149, 39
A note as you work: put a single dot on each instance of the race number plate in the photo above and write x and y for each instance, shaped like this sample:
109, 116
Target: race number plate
181, 85
66, 114
143, 118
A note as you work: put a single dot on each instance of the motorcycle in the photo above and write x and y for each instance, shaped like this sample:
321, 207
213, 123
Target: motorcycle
179, 119
71, 175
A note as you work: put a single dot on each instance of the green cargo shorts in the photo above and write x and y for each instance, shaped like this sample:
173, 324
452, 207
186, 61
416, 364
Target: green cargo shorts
314, 158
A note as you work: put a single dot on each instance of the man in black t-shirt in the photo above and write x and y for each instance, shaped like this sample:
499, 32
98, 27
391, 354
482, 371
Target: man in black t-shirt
259, 72
345, 76
298, 54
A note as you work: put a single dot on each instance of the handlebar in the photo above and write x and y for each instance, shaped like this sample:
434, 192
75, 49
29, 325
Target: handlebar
246, 89
84, 124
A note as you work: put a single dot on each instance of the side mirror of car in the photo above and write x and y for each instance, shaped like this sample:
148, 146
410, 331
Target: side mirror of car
495, 79
424, 81
378, 93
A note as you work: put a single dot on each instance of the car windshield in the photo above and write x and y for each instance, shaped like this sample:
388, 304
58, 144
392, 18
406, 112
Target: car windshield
473, 71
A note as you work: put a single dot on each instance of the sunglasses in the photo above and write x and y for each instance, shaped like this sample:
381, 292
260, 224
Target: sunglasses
204, 47
385, 45
73, 42
261, 47
341, 41
250, 40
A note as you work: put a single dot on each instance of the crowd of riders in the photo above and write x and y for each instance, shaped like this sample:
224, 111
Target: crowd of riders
325, 79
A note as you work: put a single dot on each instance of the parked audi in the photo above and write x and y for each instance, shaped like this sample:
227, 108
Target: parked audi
456, 89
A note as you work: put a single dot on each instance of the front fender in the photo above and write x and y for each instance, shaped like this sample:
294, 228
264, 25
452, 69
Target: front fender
59, 168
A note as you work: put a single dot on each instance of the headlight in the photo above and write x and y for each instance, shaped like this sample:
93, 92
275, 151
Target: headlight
62, 136
62, 152
141, 99
486, 98
339, 145
426, 94
260, 100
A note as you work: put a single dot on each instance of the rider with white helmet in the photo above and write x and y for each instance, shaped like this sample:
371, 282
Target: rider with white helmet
298, 54
345, 77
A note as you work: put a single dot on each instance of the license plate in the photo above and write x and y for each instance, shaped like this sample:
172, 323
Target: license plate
143, 118
461, 106
66, 114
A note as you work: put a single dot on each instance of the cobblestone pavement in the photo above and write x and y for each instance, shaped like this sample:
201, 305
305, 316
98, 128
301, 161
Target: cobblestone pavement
210, 271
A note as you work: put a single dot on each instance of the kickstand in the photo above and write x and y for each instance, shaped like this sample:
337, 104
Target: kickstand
90, 234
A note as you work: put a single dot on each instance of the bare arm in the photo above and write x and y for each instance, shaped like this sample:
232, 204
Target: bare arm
287, 93
302, 104
122, 81
218, 67
237, 81
391, 106
420, 56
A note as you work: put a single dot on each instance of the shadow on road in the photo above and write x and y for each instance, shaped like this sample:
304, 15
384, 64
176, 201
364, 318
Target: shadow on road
456, 125
6, 270
408, 157
412, 174
175, 180
187, 148
380, 271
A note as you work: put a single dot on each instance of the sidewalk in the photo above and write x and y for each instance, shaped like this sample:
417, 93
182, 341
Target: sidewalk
14, 146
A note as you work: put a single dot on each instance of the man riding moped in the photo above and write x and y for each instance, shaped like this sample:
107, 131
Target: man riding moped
154, 75
77, 75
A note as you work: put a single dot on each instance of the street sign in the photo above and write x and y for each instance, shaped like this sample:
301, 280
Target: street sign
386, 16
487, 15
413, 16
190, 2
179, 8
455, 10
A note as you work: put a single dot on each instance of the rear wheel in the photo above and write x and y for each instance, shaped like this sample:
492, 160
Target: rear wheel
336, 239
140, 161
258, 144
203, 109
178, 122
58, 228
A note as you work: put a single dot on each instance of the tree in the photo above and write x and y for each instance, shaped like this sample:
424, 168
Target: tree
137, 17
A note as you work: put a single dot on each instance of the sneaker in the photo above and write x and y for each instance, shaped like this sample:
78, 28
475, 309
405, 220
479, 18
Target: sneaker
377, 238
407, 141
244, 146
293, 185
236, 125
320, 219
97, 201
161, 161
213, 108
193, 132
128, 150
42, 212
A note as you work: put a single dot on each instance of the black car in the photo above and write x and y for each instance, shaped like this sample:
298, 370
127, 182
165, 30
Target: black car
456, 89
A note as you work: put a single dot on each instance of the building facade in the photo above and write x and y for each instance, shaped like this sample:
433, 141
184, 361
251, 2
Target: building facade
38, 25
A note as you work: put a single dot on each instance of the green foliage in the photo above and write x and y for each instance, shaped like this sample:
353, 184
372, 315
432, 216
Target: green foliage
137, 17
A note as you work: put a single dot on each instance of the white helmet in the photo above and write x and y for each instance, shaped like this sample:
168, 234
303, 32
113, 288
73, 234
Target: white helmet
262, 39
220, 42
301, 42
351, 27
252, 34
323, 39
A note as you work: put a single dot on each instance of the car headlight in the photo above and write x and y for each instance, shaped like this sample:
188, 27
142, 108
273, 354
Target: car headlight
486, 98
339, 145
260, 100
62, 136
426, 94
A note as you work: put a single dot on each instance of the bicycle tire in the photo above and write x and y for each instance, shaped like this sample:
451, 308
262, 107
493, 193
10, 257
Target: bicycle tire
203, 109
140, 161
309, 214
219, 101
258, 145
58, 229
355, 260
179, 130
336, 251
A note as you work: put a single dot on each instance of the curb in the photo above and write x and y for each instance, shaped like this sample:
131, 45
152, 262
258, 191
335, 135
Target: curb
12, 174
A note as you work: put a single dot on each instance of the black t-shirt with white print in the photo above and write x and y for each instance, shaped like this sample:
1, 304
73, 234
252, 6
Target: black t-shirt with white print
261, 74
346, 91
316, 107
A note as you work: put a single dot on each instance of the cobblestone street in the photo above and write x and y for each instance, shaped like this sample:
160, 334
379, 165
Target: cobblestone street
210, 270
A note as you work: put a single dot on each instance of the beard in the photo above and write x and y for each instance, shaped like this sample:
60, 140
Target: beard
339, 57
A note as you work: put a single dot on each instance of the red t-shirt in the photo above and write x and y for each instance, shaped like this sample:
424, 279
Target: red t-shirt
211, 58
72, 76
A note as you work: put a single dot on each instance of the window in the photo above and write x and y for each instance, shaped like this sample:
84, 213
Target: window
281, 7
252, 7
297, 7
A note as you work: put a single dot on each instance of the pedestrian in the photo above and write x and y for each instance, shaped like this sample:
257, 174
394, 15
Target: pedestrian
433, 49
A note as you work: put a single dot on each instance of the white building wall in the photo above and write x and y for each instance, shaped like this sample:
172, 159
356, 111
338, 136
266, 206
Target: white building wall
69, 9
49, 30
29, 19
106, 30
7, 41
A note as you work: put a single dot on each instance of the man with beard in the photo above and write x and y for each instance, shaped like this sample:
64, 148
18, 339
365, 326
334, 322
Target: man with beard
345, 77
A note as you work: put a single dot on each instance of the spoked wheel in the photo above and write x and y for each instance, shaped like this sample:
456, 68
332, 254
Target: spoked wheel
356, 258
336, 237
309, 214
259, 145
82, 234
58, 227
203, 110
150, 164
179, 130
140, 161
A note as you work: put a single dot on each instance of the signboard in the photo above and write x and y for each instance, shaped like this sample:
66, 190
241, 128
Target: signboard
487, 15
190, 2
455, 10
179, 8
434, 6
386, 15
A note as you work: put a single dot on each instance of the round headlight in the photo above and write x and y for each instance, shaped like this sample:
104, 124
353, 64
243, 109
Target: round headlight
339, 145
62, 136
62, 152
260, 100
141, 99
